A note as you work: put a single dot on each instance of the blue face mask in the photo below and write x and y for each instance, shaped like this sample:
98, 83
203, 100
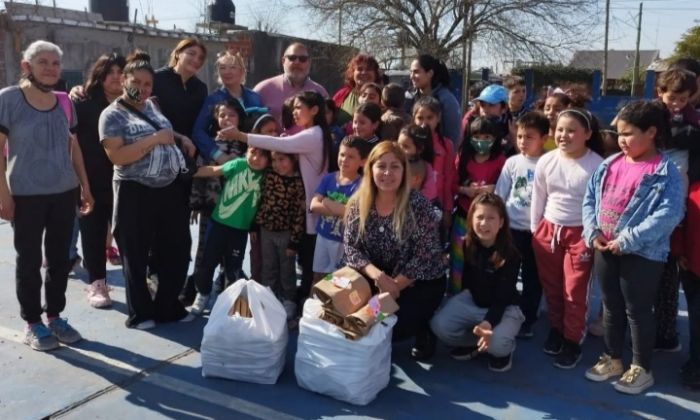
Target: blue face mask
482, 146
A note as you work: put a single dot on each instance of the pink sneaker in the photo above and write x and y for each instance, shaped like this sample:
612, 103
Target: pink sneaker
98, 294
112, 254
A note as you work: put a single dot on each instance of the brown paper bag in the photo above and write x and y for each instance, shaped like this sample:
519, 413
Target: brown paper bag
329, 315
240, 307
345, 291
377, 308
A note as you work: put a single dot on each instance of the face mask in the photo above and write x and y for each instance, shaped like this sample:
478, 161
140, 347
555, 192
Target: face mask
133, 93
481, 146
37, 84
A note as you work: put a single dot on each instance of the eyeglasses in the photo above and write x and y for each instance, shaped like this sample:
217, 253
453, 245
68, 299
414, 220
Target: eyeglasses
299, 58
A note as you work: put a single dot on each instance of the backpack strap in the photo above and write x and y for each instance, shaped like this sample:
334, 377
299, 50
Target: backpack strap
66, 106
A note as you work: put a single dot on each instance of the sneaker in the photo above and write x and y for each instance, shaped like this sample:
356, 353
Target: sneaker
605, 369
668, 345
98, 294
500, 364
38, 337
152, 283
188, 318
569, 356
464, 353
145, 325
596, 327
554, 343
290, 307
424, 346
112, 254
62, 330
525, 331
200, 304
636, 380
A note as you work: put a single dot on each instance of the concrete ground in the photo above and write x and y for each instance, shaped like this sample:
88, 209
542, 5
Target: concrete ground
120, 373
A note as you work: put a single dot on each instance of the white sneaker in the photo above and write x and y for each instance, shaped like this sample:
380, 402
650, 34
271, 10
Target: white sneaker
200, 304
98, 294
188, 318
604, 369
152, 283
145, 325
635, 381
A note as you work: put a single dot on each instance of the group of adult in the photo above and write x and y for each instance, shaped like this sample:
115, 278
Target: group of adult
133, 127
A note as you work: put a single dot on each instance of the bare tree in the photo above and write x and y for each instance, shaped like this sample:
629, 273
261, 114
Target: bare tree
529, 29
268, 18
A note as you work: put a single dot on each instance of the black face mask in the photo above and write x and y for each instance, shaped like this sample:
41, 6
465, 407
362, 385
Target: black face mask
37, 84
133, 93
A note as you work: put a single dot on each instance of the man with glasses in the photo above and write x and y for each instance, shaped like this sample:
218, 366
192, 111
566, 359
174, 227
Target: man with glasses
275, 90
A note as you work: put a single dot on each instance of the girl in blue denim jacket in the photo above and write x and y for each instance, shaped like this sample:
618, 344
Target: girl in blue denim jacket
632, 204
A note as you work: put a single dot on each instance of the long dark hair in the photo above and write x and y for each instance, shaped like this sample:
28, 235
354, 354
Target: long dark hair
100, 70
441, 76
466, 150
314, 99
433, 105
503, 248
422, 139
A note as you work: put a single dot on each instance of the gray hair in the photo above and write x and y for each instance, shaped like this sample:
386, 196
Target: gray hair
38, 47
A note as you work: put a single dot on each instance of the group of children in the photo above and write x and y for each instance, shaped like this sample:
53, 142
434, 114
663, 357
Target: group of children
541, 196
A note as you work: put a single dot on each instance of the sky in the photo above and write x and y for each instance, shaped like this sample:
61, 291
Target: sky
663, 21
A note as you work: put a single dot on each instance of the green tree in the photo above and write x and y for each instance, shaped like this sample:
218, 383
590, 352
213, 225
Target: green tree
689, 45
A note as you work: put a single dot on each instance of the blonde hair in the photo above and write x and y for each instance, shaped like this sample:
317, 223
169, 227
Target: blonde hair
366, 194
183, 45
235, 59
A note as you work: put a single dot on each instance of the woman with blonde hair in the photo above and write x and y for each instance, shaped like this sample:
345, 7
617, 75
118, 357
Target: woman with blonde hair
231, 73
392, 237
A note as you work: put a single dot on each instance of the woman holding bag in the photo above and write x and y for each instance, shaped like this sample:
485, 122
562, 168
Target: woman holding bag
148, 208
392, 237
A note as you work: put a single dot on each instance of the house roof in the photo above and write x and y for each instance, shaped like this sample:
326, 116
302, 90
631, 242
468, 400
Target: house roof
619, 61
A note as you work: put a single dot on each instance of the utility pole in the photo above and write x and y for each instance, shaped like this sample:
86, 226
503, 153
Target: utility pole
340, 22
469, 41
635, 74
604, 86
465, 69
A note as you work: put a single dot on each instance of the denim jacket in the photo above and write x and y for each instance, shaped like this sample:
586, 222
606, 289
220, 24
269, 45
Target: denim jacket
205, 144
654, 210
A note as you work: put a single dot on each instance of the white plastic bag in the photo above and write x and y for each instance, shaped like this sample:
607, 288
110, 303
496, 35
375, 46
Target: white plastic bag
245, 349
328, 363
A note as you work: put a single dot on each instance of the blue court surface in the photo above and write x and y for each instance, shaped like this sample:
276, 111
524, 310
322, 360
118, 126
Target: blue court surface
118, 373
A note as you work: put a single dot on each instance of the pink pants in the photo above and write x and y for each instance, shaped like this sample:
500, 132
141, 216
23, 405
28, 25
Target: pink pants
564, 264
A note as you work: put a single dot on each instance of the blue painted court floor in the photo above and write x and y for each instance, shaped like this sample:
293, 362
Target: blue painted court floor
118, 373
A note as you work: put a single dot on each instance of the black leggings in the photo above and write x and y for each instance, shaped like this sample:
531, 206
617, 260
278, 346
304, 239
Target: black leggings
629, 285
418, 304
221, 242
152, 220
93, 232
51, 216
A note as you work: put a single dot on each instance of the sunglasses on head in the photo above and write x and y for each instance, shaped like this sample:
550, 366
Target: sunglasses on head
299, 58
